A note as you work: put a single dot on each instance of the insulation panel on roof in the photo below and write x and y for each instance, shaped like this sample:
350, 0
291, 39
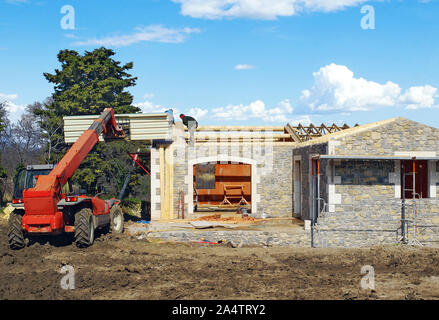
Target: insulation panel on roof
142, 126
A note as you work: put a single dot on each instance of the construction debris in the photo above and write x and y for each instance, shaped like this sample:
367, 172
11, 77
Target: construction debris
6, 212
206, 225
218, 217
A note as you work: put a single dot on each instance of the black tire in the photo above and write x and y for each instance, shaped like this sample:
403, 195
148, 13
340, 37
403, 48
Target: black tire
116, 220
15, 232
84, 228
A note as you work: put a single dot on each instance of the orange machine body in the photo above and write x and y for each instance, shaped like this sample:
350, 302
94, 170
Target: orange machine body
41, 203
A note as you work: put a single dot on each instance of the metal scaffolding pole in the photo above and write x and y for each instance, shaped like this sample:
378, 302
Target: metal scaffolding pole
315, 191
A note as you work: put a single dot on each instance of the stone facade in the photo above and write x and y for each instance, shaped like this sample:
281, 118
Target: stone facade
359, 200
271, 173
299, 238
276, 187
368, 213
397, 136
363, 205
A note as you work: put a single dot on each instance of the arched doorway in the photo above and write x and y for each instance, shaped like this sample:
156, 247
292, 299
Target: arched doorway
229, 171
225, 185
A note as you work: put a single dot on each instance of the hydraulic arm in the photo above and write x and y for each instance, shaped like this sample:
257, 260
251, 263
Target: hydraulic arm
42, 200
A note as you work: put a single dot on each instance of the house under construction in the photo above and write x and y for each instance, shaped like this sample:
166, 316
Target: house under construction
366, 185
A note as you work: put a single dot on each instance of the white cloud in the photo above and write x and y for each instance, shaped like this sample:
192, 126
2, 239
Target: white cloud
244, 67
153, 33
304, 120
70, 36
148, 96
336, 89
14, 110
8, 97
17, 1
149, 107
259, 9
254, 110
419, 97
198, 113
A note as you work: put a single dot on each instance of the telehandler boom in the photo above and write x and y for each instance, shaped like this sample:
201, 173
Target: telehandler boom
45, 210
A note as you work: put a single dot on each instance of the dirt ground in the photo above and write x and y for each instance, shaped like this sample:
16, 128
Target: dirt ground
122, 267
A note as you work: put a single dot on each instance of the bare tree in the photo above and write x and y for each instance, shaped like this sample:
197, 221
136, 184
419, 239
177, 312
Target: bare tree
3, 174
20, 144
51, 129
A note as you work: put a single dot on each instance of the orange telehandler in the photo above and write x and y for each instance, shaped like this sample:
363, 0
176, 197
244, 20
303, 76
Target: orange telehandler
41, 207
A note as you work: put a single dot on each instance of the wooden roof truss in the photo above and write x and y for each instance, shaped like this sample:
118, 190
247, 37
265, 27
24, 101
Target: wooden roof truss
301, 133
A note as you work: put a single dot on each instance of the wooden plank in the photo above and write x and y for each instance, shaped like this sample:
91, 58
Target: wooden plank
292, 132
240, 136
170, 182
239, 128
162, 182
248, 143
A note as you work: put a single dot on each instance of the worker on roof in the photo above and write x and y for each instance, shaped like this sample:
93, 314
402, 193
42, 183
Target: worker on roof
189, 121
171, 113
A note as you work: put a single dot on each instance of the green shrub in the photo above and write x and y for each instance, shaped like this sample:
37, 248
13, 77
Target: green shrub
131, 202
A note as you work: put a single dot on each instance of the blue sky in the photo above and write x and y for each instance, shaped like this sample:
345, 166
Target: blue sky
237, 62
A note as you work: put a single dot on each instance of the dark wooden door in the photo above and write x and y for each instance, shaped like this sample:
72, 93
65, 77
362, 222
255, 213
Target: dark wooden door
421, 178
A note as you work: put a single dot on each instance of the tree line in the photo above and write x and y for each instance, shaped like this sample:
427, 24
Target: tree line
84, 85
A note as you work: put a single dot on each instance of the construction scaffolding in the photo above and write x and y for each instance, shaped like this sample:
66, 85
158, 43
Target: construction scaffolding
407, 220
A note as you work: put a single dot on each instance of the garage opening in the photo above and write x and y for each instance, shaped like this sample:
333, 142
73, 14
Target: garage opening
222, 185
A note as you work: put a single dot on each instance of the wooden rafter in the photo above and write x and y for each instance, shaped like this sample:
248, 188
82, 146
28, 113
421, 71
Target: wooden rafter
289, 133
301, 133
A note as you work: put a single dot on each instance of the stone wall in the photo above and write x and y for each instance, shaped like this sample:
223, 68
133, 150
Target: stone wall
379, 224
396, 136
299, 238
276, 185
427, 222
369, 213
271, 173
366, 197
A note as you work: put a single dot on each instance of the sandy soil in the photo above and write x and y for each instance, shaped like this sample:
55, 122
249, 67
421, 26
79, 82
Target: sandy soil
122, 267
